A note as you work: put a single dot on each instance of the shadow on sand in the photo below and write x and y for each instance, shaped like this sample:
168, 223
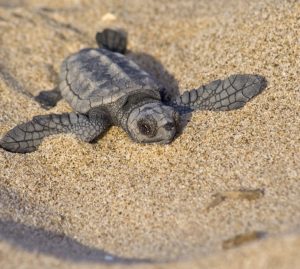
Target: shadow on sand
60, 246
38, 240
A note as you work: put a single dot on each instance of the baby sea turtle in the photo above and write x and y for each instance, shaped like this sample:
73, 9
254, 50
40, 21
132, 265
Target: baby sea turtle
105, 88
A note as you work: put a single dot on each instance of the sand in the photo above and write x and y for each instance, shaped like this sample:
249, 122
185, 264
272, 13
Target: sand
120, 204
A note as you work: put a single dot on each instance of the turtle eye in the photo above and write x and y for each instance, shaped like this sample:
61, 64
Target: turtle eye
145, 128
169, 126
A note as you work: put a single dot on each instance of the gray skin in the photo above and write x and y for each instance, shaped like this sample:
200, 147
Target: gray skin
105, 88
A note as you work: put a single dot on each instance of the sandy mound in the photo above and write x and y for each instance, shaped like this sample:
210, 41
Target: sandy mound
71, 204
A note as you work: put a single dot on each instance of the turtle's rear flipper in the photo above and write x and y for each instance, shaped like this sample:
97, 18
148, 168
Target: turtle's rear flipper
113, 40
27, 137
48, 99
220, 95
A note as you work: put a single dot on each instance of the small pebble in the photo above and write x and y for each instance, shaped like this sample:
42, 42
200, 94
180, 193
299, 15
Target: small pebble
109, 17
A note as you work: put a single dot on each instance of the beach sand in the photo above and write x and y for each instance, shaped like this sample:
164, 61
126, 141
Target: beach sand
224, 194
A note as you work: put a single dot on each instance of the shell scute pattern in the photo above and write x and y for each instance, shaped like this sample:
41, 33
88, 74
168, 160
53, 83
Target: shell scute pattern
95, 77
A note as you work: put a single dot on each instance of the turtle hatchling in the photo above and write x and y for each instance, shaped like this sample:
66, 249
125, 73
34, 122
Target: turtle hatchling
105, 88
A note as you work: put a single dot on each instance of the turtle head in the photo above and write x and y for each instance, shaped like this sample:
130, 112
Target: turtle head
153, 123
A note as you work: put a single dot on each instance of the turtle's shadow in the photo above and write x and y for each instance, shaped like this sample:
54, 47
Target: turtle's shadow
156, 69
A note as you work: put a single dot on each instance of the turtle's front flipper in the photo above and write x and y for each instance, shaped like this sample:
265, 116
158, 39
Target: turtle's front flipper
113, 40
27, 137
228, 94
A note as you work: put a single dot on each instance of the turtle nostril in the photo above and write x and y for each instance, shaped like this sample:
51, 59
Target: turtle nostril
169, 126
